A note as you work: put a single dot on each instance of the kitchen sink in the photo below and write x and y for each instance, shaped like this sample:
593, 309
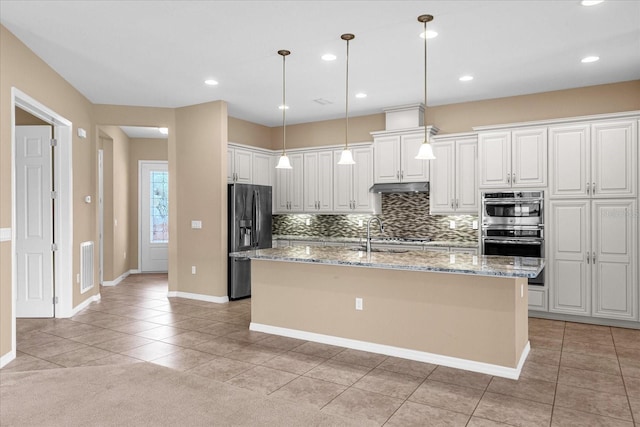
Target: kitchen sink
388, 251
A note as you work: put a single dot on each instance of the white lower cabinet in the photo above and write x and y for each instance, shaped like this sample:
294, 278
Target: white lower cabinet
592, 268
538, 298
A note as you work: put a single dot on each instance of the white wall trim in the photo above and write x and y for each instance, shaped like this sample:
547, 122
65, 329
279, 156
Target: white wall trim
199, 297
4, 360
117, 280
134, 271
5, 234
420, 356
84, 304
608, 116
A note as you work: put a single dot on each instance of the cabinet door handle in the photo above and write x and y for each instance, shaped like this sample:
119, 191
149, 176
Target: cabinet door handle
513, 177
588, 188
451, 203
397, 174
508, 178
593, 257
401, 174
588, 256
456, 203
593, 188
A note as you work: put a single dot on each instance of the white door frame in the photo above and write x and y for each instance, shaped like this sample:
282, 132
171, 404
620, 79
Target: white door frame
63, 226
101, 215
140, 163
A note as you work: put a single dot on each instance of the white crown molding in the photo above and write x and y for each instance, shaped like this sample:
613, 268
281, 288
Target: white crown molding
609, 116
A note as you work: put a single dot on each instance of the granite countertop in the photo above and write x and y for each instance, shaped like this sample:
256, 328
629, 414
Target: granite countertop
410, 260
377, 241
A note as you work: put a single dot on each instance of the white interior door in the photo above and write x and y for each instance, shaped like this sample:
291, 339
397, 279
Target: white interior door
34, 222
154, 216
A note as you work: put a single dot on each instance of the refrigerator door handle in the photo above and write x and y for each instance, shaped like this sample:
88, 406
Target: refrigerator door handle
257, 216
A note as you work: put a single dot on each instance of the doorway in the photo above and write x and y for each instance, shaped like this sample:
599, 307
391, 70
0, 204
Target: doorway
153, 217
61, 209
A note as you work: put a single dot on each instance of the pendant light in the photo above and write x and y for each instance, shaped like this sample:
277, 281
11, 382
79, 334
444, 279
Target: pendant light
426, 150
284, 163
346, 158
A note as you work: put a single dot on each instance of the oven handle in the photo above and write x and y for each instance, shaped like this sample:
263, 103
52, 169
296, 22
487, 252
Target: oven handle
510, 201
514, 242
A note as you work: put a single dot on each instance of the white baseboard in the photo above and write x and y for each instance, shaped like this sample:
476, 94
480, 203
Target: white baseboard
84, 304
5, 234
199, 297
134, 271
404, 353
4, 360
117, 281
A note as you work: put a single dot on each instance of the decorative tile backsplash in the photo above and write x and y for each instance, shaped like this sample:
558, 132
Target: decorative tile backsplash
403, 214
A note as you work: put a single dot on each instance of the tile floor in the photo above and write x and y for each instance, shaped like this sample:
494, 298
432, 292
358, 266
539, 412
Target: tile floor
576, 374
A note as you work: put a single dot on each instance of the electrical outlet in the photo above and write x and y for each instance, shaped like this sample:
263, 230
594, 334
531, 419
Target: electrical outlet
452, 258
360, 223
307, 221
196, 224
358, 303
78, 278
474, 260
452, 224
474, 225
521, 291
125, 255
193, 269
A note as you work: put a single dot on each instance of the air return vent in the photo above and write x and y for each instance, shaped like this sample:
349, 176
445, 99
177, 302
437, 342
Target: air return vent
86, 266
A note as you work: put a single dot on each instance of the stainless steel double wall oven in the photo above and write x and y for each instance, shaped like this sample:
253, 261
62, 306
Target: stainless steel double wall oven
513, 225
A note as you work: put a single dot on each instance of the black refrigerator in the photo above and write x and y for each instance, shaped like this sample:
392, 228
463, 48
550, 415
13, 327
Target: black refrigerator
249, 217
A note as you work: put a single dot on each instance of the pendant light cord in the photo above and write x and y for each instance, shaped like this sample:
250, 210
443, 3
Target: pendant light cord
346, 114
284, 106
425, 82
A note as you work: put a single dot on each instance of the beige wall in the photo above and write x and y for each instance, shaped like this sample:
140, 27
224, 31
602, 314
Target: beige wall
200, 163
117, 223
454, 118
247, 133
21, 68
140, 149
24, 118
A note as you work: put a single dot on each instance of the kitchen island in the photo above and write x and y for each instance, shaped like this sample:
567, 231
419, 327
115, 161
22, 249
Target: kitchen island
456, 310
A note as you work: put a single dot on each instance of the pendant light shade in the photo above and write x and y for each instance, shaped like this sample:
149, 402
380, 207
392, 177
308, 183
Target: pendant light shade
426, 150
283, 162
346, 158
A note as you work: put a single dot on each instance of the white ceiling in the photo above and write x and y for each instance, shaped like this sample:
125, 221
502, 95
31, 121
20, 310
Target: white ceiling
158, 53
143, 132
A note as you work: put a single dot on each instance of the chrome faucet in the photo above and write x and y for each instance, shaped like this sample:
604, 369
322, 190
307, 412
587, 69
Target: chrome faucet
369, 231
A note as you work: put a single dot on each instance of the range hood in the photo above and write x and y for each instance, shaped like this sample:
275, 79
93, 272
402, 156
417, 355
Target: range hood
401, 187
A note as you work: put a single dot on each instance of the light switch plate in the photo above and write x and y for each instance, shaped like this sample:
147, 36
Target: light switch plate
474, 225
452, 224
196, 224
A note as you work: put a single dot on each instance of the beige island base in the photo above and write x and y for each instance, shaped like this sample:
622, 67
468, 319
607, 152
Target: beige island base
467, 321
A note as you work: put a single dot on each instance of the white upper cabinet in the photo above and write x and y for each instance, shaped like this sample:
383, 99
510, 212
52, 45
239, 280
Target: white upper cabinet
318, 181
351, 183
395, 160
453, 179
239, 165
263, 170
593, 160
513, 158
614, 163
289, 186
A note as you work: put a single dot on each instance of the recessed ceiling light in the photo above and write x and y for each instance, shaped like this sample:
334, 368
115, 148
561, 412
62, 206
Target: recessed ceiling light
590, 2
430, 34
164, 131
361, 95
328, 57
466, 78
283, 107
210, 82
588, 59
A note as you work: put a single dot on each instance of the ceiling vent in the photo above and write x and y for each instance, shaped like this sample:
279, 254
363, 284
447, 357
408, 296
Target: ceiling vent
322, 101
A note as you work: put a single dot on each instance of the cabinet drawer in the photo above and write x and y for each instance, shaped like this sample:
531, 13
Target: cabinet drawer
537, 299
